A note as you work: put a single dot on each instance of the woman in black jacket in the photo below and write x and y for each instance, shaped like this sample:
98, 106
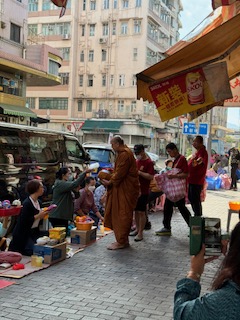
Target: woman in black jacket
26, 231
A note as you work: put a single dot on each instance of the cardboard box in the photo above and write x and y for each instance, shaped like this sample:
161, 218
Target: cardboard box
51, 254
83, 237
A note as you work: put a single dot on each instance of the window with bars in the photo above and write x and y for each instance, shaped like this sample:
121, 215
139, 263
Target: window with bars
30, 103
32, 5
53, 103
53, 67
105, 4
32, 29
64, 78
81, 80
83, 28
125, 4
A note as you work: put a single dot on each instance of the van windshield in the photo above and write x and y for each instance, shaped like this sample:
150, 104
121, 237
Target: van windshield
100, 155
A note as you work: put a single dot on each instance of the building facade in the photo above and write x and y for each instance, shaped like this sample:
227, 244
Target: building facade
21, 65
104, 44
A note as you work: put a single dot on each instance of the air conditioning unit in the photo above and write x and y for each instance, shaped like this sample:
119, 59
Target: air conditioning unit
66, 36
102, 40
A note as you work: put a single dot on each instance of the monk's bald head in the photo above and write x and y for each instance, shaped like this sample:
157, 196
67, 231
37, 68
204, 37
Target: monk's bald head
116, 142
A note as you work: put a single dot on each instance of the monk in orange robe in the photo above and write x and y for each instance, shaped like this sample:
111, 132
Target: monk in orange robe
122, 194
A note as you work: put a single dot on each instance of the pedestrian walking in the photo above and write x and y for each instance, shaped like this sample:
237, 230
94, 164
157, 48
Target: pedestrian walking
122, 194
146, 173
234, 162
224, 301
197, 168
180, 162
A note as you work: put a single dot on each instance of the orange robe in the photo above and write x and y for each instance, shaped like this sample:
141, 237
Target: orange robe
122, 195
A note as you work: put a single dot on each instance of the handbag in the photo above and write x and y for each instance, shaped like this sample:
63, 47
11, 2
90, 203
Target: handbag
174, 189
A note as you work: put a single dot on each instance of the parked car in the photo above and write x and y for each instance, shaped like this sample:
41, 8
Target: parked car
101, 153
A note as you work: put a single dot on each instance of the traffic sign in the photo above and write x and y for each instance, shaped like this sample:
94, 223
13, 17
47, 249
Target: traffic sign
203, 129
78, 125
189, 128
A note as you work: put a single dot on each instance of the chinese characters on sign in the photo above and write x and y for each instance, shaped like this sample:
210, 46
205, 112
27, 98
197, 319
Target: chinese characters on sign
235, 100
181, 94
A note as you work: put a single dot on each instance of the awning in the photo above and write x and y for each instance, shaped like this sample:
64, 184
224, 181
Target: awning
102, 126
16, 111
39, 120
220, 44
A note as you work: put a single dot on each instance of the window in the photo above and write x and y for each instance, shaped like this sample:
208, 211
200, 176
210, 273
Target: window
92, 4
73, 149
125, 4
122, 80
32, 30
53, 67
80, 104
114, 28
133, 106
105, 4
91, 55
84, 5
53, 103
90, 80
111, 80
81, 80
124, 27
137, 26
134, 80
48, 5
104, 55
30, 103
11, 85
15, 33
56, 28
65, 53
115, 4
83, 28
120, 105
91, 30
138, 3
104, 80
105, 29
82, 56
89, 106
135, 54
64, 78
32, 5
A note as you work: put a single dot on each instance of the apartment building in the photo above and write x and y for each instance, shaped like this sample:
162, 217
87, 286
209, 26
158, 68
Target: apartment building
104, 44
22, 65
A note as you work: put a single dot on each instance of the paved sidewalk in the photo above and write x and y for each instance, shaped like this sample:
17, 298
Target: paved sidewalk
136, 283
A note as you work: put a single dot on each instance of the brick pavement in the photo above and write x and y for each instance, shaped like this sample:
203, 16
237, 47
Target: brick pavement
136, 283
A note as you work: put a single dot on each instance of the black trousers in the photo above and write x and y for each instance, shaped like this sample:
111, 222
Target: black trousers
168, 211
59, 223
234, 168
194, 196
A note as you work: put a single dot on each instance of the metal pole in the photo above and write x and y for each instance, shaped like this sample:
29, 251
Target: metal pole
209, 140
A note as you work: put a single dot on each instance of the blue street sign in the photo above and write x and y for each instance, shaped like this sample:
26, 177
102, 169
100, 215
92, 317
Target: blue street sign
203, 129
189, 128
